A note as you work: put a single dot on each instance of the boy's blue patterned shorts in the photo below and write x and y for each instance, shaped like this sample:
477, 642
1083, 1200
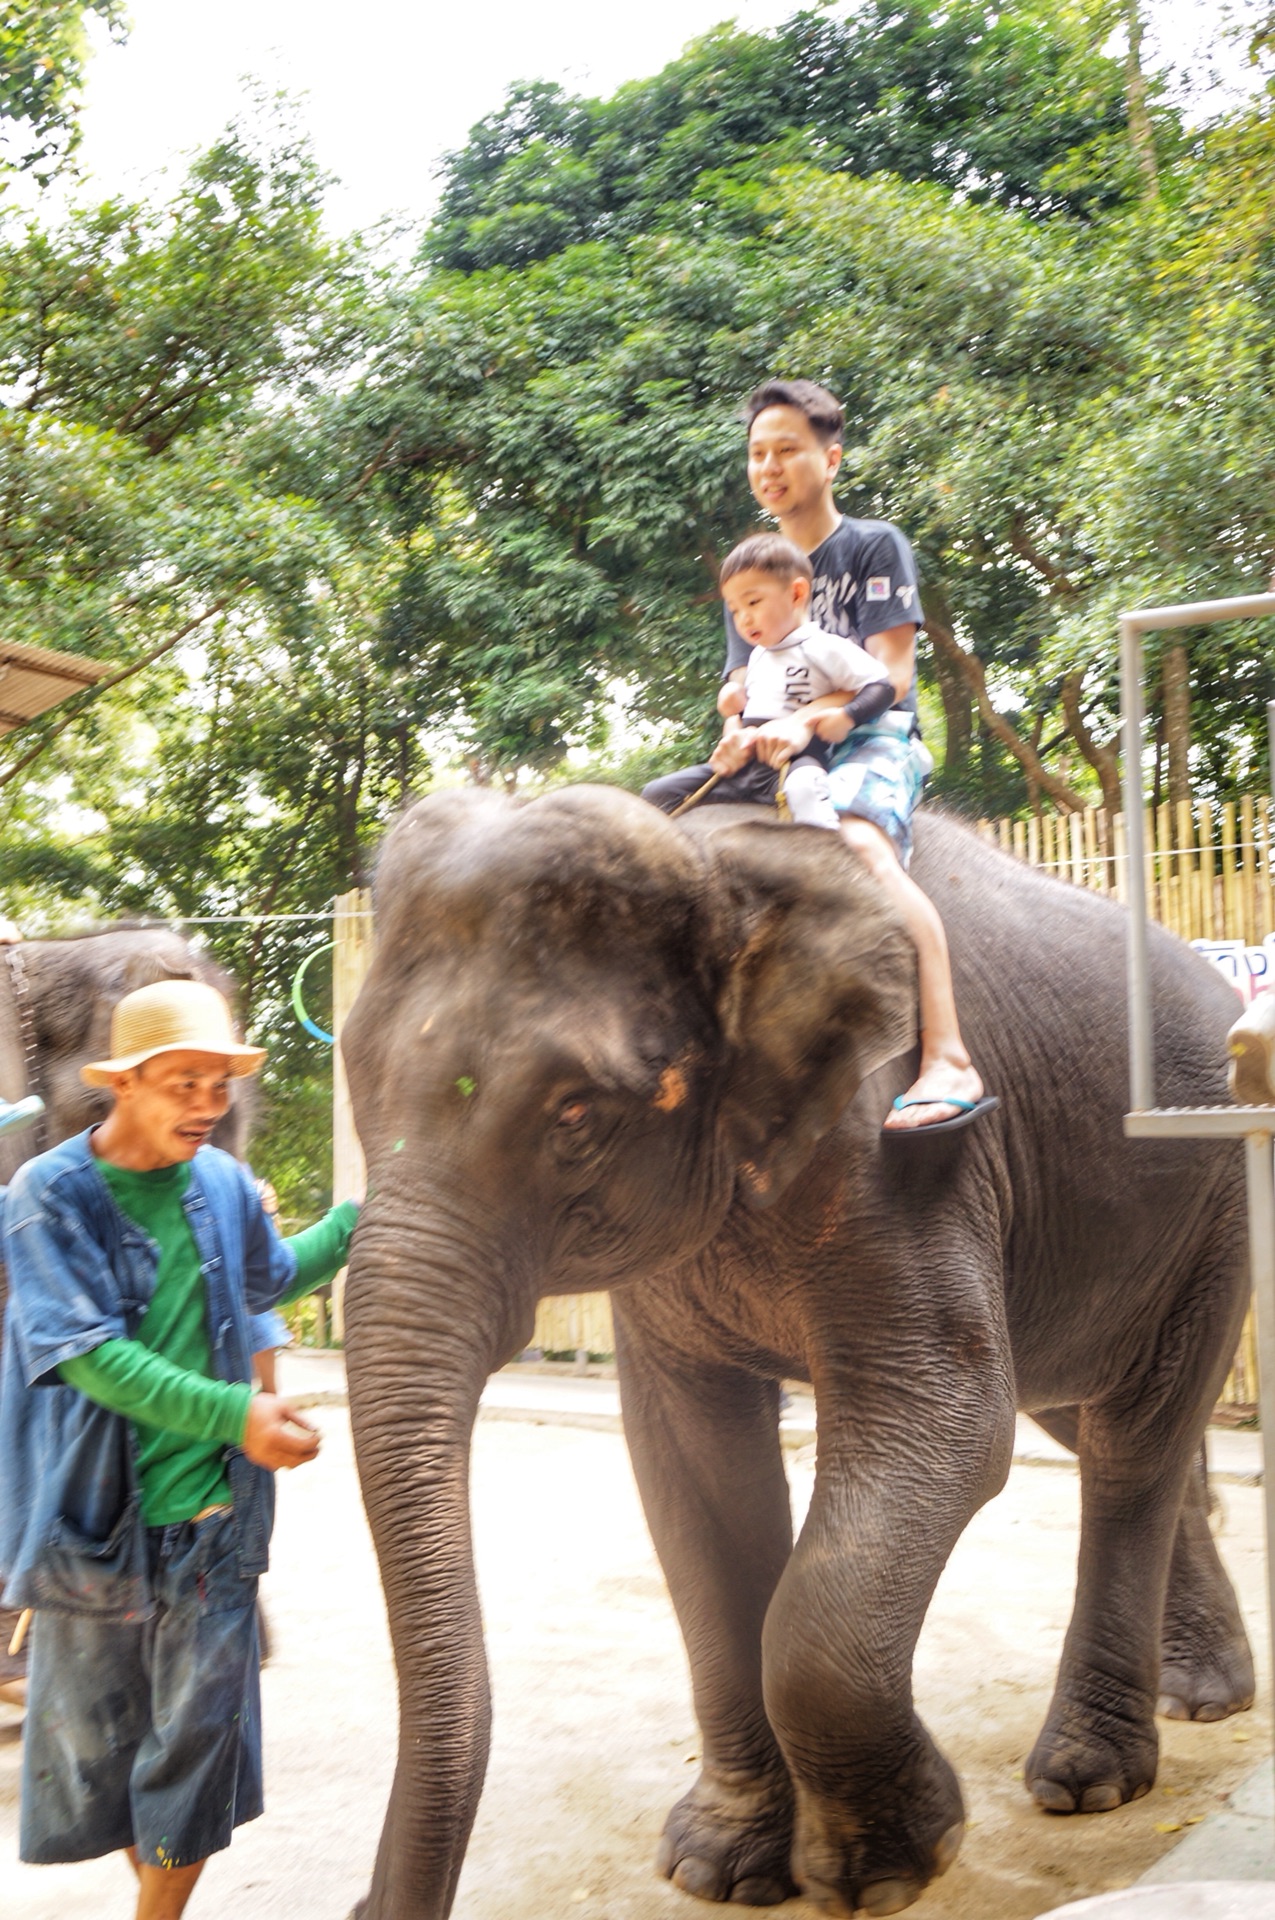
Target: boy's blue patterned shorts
878, 775
148, 1733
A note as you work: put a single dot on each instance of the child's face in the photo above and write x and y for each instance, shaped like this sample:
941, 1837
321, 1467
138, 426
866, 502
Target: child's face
764, 608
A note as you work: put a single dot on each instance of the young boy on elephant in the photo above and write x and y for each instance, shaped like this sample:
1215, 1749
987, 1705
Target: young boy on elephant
765, 585
866, 587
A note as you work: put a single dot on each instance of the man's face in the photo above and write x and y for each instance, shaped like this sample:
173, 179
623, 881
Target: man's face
169, 1105
789, 468
764, 608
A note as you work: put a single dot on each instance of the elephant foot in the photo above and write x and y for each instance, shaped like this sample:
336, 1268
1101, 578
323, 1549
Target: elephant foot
879, 1856
729, 1839
1206, 1670
1098, 1749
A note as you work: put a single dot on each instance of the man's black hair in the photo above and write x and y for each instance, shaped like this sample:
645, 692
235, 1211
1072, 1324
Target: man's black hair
821, 408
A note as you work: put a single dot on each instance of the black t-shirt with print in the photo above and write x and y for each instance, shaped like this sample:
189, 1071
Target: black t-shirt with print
865, 582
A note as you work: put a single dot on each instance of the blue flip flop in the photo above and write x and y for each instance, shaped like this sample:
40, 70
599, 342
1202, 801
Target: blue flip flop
971, 1110
21, 1113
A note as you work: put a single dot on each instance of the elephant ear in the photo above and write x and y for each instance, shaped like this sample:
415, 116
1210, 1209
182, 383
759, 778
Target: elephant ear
819, 991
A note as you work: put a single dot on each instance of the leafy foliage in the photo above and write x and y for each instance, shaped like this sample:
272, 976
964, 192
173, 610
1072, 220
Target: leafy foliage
1017, 108
42, 50
370, 525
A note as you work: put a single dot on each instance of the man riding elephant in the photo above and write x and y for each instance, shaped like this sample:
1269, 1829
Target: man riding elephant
865, 588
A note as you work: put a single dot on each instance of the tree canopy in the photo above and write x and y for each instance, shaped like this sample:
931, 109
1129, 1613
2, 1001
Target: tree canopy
362, 524
42, 52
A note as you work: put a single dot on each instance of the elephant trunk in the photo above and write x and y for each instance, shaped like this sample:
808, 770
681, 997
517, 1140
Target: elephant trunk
419, 1348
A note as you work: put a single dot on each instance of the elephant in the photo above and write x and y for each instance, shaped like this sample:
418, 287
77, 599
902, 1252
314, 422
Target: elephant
597, 1048
69, 987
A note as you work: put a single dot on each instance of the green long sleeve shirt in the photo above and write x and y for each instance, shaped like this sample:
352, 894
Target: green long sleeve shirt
162, 1380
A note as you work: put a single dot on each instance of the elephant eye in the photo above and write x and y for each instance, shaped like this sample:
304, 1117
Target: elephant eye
573, 1113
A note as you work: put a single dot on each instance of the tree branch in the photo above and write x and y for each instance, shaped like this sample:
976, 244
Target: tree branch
1026, 549
377, 461
1034, 768
1105, 760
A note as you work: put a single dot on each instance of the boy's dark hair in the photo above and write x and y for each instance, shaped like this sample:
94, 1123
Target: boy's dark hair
821, 408
766, 553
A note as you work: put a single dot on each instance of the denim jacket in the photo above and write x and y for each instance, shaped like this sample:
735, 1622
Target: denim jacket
80, 1272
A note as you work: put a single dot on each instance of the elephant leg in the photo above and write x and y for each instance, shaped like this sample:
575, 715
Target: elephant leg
704, 1440
1206, 1664
879, 1812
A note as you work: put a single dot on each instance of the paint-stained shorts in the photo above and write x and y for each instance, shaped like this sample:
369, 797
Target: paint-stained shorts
148, 1734
878, 775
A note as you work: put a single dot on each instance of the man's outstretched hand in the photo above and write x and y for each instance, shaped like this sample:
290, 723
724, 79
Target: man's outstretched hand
277, 1435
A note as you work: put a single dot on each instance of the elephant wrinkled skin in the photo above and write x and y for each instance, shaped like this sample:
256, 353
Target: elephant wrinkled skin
598, 1048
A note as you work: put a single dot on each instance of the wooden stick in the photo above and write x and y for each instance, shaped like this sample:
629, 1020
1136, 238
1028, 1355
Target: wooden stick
20, 1632
698, 794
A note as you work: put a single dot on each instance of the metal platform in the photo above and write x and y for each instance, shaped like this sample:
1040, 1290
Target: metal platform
1200, 1123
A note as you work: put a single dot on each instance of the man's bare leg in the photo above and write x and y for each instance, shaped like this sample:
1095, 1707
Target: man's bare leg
163, 1891
947, 1073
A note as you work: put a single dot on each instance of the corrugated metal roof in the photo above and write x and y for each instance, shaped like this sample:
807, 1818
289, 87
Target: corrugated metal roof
33, 679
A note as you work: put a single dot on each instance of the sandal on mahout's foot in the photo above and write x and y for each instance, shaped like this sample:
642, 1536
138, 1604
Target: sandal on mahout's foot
971, 1110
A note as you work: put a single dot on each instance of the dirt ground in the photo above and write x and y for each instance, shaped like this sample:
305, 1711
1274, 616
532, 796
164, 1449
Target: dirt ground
594, 1735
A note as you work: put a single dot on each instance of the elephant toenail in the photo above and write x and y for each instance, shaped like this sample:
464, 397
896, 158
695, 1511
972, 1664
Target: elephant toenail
948, 1848
1101, 1799
1053, 1796
700, 1877
888, 1896
1144, 1788
759, 1891
1210, 1710
1169, 1707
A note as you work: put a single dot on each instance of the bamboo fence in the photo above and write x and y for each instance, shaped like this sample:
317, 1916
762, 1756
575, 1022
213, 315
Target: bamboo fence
1208, 868
1209, 876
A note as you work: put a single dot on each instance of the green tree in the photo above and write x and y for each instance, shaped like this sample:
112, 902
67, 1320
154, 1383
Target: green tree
1017, 107
42, 53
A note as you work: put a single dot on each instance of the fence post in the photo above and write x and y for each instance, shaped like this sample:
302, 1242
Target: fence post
351, 958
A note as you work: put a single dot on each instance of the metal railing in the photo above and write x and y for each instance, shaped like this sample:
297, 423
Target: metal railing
1145, 1121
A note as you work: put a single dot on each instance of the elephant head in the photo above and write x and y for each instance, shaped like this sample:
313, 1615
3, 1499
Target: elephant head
70, 987
586, 1031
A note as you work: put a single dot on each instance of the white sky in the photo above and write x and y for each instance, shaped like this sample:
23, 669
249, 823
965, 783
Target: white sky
391, 85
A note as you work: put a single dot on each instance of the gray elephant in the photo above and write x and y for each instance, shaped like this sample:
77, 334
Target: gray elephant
599, 1049
56, 998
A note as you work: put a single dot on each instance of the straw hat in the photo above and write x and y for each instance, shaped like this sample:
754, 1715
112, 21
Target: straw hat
172, 1016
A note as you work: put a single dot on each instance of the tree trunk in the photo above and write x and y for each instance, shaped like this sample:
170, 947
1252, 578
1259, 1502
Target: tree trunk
1141, 133
958, 705
1176, 683
971, 668
1103, 758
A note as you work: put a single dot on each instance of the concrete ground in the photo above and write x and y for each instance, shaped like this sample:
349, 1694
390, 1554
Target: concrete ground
594, 1735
